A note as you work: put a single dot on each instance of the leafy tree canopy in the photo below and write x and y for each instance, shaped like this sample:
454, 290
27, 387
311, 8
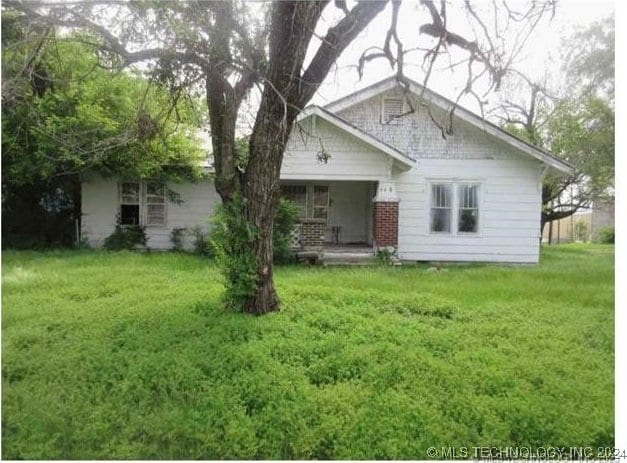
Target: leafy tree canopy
63, 113
576, 125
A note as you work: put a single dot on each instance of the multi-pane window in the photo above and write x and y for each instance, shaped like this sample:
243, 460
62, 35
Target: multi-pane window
155, 204
468, 218
312, 200
321, 202
392, 110
454, 208
142, 204
298, 195
129, 203
441, 207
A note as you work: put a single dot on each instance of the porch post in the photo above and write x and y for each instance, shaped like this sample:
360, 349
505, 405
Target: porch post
386, 216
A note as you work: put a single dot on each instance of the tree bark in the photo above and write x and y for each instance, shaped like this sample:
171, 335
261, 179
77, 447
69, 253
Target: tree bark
288, 88
261, 191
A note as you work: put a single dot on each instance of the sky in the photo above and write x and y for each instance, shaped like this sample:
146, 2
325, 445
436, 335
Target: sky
540, 56
541, 53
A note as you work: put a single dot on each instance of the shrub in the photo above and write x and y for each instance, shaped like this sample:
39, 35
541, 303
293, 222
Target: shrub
286, 217
581, 231
232, 243
386, 256
126, 237
176, 237
606, 235
202, 242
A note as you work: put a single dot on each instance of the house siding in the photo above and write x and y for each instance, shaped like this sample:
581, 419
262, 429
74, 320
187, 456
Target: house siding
509, 212
418, 136
100, 206
510, 193
350, 158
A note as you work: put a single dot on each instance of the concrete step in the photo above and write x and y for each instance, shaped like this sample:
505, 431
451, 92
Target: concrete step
347, 258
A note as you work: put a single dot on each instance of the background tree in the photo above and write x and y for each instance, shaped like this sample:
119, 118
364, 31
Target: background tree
63, 114
285, 49
577, 126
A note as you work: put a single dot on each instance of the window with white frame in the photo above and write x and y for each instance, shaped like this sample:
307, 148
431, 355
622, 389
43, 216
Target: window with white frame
142, 203
129, 203
392, 110
468, 210
155, 204
441, 207
454, 208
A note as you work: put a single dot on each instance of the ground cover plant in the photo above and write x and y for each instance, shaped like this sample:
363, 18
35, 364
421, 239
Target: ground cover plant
130, 355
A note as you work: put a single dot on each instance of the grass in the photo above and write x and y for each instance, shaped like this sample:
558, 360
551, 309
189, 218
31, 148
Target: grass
125, 355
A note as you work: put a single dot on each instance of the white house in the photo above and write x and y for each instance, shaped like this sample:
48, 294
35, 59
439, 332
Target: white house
375, 179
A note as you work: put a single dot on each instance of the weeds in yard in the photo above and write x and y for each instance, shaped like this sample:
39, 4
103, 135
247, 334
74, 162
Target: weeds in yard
126, 355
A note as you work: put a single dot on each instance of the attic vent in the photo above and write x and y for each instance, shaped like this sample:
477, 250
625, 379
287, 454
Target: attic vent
392, 109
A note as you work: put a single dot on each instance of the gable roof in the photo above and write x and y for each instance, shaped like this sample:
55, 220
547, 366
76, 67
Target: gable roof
460, 112
358, 133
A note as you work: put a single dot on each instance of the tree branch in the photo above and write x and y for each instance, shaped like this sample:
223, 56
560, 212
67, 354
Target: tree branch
334, 43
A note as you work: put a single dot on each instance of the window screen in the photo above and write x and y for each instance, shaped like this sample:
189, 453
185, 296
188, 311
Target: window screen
155, 204
298, 195
129, 203
468, 219
321, 202
441, 208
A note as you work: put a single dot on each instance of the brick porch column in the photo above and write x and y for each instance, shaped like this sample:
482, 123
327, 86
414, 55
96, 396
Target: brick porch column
385, 216
312, 233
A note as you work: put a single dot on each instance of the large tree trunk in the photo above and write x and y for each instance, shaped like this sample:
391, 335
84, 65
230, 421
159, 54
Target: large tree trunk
261, 191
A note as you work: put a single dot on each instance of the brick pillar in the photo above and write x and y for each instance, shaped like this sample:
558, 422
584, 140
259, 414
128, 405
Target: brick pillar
385, 216
312, 233
386, 224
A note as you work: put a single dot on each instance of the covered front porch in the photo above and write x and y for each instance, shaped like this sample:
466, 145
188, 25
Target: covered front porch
342, 180
341, 221
342, 211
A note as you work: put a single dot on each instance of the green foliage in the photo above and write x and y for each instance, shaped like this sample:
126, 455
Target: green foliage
286, 217
202, 242
385, 256
581, 231
590, 59
606, 235
112, 122
63, 114
523, 134
232, 240
127, 237
132, 357
241, 152
176, 238
582, 132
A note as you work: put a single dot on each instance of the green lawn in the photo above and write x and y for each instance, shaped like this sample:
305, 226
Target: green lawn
125, 355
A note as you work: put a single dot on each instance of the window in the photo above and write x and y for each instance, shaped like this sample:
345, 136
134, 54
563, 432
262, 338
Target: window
321, 202
392, 110
155, 204
142, 203
468, 219
298, 195
129, 203
312, 200
441, 208
454, 208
